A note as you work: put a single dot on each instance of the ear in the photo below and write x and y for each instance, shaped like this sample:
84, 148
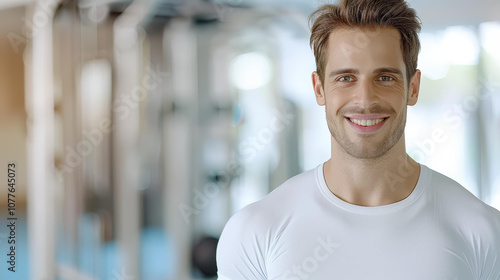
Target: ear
414, 88
318, 89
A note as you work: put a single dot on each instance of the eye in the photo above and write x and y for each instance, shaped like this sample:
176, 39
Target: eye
386, 78
345, 79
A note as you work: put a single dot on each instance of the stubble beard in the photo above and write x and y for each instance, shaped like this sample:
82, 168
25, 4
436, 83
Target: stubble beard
366, 147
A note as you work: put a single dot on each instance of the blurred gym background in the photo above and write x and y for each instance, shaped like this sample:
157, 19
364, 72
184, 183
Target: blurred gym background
139, 127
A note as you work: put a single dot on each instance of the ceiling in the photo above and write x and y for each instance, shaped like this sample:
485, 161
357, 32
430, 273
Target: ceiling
439, 13
6, 4
433, 13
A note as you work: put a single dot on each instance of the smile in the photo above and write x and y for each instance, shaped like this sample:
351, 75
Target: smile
366, 122
367, 125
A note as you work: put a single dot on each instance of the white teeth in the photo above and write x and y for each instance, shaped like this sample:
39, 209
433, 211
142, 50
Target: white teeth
366, 122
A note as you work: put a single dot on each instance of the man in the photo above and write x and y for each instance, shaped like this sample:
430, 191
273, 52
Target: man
370, 212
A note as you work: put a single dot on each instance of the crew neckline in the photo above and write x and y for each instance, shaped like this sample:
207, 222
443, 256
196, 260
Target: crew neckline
373, 210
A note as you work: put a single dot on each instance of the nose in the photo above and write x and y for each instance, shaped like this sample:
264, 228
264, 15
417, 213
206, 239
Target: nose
365, 94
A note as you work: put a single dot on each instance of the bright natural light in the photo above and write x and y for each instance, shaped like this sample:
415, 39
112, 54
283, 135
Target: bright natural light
456, 45
490, 38
250, 71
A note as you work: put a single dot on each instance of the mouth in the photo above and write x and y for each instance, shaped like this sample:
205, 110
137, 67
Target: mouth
365, 124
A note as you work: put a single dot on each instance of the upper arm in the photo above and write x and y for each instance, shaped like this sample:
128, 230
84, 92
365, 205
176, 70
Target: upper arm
240, 251
491, 251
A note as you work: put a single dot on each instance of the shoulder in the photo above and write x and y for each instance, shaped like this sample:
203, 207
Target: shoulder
250, 233
276, 205
462, 207
473, 224
450, 193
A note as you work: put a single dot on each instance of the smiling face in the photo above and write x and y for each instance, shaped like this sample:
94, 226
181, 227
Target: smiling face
365, 90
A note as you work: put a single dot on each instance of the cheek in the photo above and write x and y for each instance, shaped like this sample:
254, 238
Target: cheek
334, 102
338, 96
395, 96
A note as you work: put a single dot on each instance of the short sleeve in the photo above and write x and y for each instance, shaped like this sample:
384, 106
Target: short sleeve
241, 249
490, 255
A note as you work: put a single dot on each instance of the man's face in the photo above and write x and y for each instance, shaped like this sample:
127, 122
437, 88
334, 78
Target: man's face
365, 90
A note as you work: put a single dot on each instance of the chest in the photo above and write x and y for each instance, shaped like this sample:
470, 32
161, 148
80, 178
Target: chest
371, 249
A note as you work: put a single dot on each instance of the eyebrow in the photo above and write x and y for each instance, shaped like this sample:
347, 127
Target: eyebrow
343, 71
391, 70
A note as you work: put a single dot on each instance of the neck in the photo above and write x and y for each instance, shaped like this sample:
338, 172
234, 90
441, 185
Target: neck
371, 182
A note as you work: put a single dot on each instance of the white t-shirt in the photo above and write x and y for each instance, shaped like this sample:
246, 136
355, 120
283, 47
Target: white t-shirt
302, 230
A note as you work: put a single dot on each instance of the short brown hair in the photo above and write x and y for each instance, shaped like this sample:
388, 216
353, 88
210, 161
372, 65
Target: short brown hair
366, 14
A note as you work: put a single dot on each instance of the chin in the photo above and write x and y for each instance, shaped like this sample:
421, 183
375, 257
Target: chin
366, 153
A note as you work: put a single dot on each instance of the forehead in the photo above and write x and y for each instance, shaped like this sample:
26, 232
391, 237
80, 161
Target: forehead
364, 48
